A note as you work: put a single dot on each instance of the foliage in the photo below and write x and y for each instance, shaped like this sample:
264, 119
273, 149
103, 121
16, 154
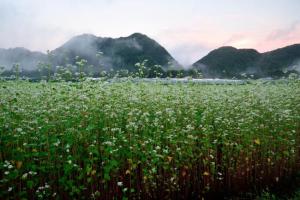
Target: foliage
81, 64
2, 69
46, 67
16, 70
229, 62
141, 140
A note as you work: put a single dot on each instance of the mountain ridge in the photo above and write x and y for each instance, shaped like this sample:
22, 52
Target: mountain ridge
116, 53
229, 62
121, 53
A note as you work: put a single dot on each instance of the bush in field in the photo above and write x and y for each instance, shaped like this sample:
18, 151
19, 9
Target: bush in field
45, 68
81, 65
142, 70
2, 69
63, 73
293, 76
16, 70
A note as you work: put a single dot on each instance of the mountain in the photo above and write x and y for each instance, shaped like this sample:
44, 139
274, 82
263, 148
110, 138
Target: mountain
116, 54
228, 62
274, 63
102, 53
27, 59
123, 53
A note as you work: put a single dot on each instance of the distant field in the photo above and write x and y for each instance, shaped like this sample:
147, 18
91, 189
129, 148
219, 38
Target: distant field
146, 140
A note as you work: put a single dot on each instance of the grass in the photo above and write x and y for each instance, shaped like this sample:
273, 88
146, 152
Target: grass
98, 140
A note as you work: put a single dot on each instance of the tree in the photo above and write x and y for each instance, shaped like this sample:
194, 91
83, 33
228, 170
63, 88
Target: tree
46, 67
81, 64
156, 71
63, 73
16, 70
2, 69
142, 71
99, 56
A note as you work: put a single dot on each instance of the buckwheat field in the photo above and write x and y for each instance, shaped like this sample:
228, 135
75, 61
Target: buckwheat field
146, 140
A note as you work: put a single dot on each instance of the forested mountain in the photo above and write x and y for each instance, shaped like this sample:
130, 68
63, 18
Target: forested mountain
228, 62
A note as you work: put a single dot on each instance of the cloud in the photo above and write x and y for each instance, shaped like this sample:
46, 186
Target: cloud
266, 40
188, 43
288, 32
281, 37
189, 53
241, 40
188, 30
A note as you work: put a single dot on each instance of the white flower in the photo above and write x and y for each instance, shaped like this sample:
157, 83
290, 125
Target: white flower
9, 189
32, 173
120, 184
19, 129
57, 143
108, 143
24, 176
6, 173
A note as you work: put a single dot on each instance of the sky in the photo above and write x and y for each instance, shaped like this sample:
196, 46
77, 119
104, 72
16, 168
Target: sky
188, 29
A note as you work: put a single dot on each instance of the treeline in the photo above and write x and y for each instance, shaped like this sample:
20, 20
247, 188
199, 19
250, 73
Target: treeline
81, 70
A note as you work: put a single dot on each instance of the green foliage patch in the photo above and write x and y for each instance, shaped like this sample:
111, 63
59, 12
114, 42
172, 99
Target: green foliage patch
105, 140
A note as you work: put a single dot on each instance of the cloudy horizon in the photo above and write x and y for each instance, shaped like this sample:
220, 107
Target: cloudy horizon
187, 29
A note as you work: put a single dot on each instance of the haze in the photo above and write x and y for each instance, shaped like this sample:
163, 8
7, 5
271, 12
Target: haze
187, 29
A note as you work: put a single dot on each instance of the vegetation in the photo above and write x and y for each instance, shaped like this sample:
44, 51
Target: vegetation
81, 64
2, 69
100, 140
16, 70
229, 62
46, 67
113, 57
116, 54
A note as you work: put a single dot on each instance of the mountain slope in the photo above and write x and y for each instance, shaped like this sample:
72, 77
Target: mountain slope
122, 54
116, 54
279, 60
28, 59
228, 62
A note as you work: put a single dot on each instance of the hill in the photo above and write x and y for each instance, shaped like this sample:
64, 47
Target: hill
116, 54
228, 62
27, 59
101, 53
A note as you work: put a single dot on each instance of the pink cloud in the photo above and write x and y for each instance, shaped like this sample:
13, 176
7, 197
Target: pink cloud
190, 43
241, 40
281, 37
265, 40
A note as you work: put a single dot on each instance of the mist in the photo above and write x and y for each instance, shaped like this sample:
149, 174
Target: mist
28, 60
183, 28
295, 66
